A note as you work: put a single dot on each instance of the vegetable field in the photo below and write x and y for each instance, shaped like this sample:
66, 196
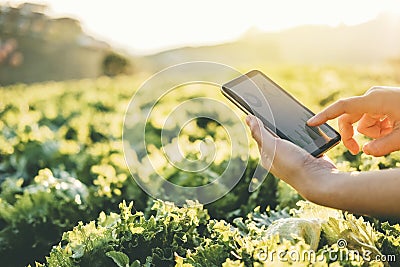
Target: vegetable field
67, 197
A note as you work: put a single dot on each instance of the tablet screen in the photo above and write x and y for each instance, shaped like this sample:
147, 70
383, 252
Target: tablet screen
280, 112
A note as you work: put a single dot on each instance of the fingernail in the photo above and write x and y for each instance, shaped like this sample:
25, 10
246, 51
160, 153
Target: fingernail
367, 149
311, 120
248, 119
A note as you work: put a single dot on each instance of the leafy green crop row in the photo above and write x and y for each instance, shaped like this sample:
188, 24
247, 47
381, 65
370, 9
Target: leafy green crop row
62, 164
173, 236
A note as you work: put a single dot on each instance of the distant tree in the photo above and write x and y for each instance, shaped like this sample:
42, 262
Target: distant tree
114, 64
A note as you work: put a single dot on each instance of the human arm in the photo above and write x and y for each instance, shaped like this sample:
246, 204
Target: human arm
318, 180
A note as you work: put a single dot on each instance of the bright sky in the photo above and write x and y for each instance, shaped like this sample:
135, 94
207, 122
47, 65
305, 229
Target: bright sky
149, 26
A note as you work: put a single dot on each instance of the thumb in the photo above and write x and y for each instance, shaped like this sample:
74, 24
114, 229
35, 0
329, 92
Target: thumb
265, 140
384, 145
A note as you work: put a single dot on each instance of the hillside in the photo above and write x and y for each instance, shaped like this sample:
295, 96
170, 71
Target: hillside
375, 41
35, 47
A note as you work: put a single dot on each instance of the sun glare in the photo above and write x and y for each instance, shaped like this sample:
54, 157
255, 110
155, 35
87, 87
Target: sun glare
150, 26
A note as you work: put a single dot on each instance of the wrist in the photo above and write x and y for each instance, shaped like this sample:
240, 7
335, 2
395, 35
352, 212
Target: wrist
321, 187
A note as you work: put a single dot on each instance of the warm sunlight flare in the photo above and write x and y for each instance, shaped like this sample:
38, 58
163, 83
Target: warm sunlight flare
151, 26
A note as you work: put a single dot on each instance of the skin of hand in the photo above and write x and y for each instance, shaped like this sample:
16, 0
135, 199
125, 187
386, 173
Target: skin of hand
287, 161
378, 115
318, 180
